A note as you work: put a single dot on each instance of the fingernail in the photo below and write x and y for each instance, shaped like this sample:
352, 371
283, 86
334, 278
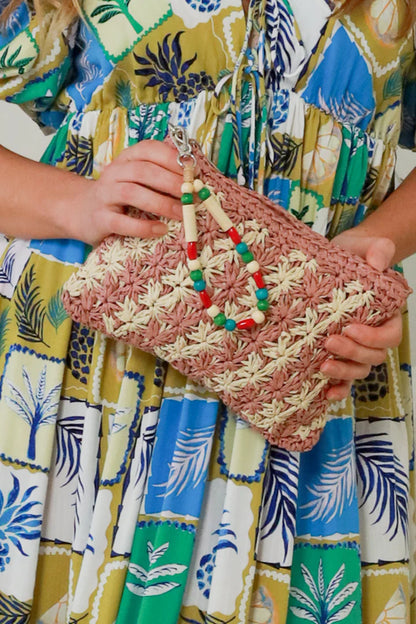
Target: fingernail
351, 331
158, 229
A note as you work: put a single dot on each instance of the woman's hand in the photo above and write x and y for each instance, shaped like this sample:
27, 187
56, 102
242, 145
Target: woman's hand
145, 176
360, 347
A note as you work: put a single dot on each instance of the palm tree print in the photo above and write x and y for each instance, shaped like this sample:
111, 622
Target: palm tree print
18, 521
110, 8
39, 406
167, 71
324, 603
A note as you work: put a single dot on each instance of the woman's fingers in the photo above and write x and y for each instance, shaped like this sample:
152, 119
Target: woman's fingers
119, 223
386, 336
148, 174
339, 391
158, 152
145, 199
344, 347
345, 370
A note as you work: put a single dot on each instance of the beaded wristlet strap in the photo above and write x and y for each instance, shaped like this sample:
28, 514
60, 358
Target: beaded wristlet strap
208, 200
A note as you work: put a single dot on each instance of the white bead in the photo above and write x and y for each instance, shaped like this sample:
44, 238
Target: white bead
253, 266
213, 311
258, 317
194, 265
198, 185
187, 187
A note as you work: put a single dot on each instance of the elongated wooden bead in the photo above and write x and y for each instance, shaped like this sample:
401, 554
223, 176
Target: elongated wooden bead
191, 250
258, 278
246, 323
189, 222
234, 235
213, 206
205, 298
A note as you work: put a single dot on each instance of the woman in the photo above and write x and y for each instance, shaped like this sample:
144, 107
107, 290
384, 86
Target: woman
129, 494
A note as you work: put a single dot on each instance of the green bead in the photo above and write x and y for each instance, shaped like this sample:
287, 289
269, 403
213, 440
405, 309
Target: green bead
263, 305
187, 198
220, 319
204, 193
196, 275
247, 257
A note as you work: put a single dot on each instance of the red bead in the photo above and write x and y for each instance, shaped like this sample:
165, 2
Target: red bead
192, 255
258, 278
245, 323
205, 298
234, 235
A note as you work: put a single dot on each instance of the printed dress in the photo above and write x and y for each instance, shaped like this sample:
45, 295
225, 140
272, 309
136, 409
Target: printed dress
128, 494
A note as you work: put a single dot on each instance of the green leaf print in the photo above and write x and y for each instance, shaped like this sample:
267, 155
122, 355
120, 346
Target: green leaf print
323, 604
56, 312
111, 8
123, 94
6, 61
30, 311
4, 321
285, 154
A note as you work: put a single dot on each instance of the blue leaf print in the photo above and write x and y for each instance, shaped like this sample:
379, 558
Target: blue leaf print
13, 611
280, 495
18, 522
167, 71
335, 487
384, 481
6, 269
69, 432
190, 459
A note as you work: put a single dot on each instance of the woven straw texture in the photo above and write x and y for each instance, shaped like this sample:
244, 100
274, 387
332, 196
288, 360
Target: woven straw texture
139, 291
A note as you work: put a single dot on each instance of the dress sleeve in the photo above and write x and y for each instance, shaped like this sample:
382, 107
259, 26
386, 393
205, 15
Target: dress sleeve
35, 68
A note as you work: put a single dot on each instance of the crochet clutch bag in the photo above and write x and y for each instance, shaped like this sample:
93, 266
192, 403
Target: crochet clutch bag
240, 297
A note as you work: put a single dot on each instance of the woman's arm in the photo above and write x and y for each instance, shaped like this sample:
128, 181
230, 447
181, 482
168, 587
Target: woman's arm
394, 220
40, 201
385, 237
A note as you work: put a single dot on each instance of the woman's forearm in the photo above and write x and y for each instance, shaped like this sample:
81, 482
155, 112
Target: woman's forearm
395, 219
37, 200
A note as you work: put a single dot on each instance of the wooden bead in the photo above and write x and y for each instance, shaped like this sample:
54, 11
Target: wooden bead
189, 223
187, 187
253, 266
258, 278
198, 185
234, 235
246, 323
213, 311
191, 250
206, 299
263, 305
194, 265
258, 317
214, 208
